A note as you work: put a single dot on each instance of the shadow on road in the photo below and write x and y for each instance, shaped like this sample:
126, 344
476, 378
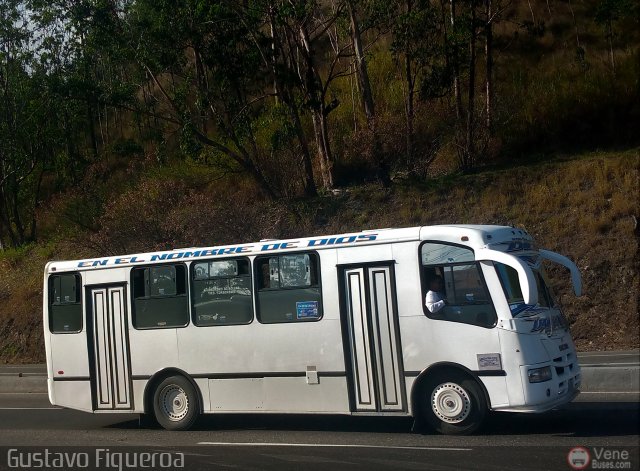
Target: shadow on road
590, 419
587, 419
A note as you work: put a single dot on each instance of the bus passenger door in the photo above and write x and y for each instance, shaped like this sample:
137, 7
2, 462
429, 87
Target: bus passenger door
109, 347
372, 339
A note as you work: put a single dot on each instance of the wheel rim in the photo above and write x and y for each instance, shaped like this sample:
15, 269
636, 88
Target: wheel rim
450, 403
174, 402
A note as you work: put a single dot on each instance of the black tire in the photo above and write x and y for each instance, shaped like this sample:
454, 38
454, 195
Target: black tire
175, 403
452, 403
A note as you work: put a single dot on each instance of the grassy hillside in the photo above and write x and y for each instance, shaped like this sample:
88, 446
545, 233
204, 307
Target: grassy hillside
580, 205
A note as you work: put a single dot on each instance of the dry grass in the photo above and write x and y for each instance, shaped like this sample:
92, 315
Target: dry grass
582, 207
20, 304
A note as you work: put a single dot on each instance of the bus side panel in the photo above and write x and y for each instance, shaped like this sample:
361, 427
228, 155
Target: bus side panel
496, 387
74, 395
252, 366
70, 370
353, 255
329, 395
427, 341
263, 366
153, 350
236, 395
47, 334
408, 279
69, 354
138, 386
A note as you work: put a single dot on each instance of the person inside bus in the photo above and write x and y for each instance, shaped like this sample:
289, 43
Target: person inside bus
435, 299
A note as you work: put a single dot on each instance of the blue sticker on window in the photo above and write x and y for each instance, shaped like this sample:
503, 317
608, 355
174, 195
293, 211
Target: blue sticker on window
307, 309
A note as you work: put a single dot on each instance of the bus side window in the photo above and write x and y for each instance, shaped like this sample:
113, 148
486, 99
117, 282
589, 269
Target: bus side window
160, 297
221, 292
465, 292
289, 288
65, 303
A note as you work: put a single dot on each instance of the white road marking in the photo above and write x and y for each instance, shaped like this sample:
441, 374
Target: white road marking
585, 355
22, 394
31, 408
331, 445
609, 392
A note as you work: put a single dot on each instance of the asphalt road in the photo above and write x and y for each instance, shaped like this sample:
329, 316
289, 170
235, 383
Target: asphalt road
508, 441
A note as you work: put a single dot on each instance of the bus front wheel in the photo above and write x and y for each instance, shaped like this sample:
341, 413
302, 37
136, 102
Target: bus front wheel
175, 403
453, 403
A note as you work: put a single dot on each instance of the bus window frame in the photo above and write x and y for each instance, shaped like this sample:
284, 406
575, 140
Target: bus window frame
186, 295
258, 280
250, 274
51, 302
424, 288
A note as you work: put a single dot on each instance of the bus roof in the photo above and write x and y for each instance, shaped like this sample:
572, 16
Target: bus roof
475, 236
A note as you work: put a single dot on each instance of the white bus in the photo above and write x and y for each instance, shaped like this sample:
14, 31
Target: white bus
321, 325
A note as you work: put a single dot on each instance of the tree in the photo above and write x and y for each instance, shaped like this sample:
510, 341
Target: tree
607, 13
28, 133
417, 43
468, 155
309, 61
277, 61
362, 73
206, 78
488, 53
453, 57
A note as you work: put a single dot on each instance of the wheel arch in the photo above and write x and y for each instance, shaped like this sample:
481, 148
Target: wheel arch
441, 368
161, 375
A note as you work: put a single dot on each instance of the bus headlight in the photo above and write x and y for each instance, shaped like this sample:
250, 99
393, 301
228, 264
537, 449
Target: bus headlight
540, 375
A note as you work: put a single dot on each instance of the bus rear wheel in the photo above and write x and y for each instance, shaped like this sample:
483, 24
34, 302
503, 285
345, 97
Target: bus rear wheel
453, 403
175, 403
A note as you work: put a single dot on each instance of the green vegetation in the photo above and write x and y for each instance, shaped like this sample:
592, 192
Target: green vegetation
142, 124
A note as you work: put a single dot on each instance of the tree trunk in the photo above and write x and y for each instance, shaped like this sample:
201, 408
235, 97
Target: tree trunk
575, 25
5, 221
36, 205
488, 50
284, 94
533, 17
367, 97
91, 128
15, 216
324, 155
409, 112
274, 54
409, 102
470, 145
456, 66
89, 99
309, 183
328, 157
361, 66
610, 42
244, 159
318, 111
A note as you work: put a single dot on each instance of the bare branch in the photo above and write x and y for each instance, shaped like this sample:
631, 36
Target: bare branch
251, 102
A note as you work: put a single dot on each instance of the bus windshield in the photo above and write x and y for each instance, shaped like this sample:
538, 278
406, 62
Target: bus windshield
511, 286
